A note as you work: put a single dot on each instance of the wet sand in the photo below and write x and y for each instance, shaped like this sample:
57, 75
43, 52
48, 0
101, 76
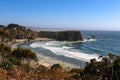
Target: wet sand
45, 60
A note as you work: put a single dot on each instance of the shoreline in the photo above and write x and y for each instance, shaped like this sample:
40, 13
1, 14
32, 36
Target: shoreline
45, 60
49, 61
20, 41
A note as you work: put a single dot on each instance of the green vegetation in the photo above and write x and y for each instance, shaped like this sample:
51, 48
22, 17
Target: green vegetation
56, 66
107, 69
21, 64
10, 58
5, 35
15, 31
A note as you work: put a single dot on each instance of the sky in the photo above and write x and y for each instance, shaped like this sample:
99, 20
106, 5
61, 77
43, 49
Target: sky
62, 14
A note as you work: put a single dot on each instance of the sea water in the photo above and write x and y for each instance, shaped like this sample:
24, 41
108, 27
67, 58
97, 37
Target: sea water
94, 44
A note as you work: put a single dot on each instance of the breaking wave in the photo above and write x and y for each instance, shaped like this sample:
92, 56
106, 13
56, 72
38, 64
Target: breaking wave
59, 48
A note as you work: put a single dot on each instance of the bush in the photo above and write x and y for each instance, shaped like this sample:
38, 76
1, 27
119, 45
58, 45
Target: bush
75, 70
56, 66
24, 54
40, 69
76, 76
5, 50
7, 65
26, 67
15, 60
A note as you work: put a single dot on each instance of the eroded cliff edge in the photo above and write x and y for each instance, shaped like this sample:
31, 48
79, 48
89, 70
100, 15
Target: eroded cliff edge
62, 35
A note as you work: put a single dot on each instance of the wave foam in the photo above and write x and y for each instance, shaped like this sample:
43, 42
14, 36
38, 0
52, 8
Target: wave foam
65, 51
89, 40
84, 40
36, 44
71, 54
52, 43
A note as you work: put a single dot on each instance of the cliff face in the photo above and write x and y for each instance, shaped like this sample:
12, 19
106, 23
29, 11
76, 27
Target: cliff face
62, 35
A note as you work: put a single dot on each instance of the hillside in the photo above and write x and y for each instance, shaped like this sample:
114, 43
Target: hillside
15, 31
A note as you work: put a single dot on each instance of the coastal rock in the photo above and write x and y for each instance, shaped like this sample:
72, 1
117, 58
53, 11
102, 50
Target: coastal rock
62, 35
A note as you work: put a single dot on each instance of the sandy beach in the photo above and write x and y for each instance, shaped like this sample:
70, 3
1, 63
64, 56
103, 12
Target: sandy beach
44, 60
20, 41
36, 39
48, 61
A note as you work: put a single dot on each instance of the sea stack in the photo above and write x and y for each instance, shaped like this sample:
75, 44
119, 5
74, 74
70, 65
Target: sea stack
62, 35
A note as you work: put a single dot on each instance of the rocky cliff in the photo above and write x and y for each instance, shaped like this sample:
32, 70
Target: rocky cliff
62, 35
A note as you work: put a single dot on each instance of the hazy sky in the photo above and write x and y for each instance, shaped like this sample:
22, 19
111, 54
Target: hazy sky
73, 14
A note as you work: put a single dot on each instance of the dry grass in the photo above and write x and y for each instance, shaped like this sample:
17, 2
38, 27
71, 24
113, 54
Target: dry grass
49, 74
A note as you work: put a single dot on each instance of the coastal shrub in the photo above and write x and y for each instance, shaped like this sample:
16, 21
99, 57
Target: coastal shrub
6, 64
116, 63
5, 50
56, 66
40, 69
18, 53
15, 61
4, 47
106, 69
26, 67
24, 54
77, 73
75, 70
75, 76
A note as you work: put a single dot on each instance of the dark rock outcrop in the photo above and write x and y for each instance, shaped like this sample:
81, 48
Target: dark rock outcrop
62, 35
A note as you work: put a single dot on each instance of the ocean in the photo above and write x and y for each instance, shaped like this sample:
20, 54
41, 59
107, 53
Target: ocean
95, 43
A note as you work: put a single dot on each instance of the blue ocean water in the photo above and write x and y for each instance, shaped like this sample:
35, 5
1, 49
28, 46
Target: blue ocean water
95, 43
106, 42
